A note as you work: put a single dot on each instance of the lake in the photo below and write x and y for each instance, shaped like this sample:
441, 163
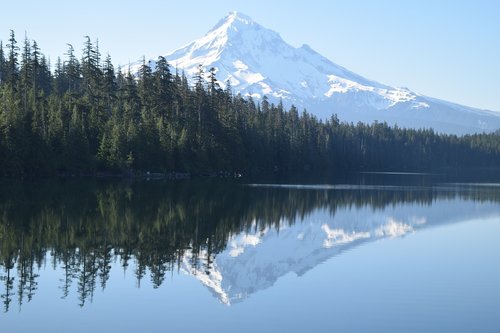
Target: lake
374, 253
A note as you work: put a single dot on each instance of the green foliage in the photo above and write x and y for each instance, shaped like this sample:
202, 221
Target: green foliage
85, 117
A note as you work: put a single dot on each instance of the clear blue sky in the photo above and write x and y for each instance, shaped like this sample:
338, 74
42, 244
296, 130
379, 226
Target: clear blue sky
447, 49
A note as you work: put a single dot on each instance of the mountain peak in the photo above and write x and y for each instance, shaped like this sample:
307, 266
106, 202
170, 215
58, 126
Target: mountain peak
238, 16
258, 62
234, 19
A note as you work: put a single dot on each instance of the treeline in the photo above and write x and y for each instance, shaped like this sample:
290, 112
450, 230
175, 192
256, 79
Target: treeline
82, 115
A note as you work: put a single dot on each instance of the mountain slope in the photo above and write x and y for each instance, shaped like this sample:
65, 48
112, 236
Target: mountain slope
257, 62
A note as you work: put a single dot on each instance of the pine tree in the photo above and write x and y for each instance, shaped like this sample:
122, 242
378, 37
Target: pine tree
12, 70
72, 71
85, 116
3, 64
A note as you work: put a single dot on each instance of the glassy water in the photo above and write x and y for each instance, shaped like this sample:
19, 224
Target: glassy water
404, 253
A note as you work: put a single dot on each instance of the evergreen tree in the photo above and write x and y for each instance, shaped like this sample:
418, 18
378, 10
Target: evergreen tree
85, 116
12, 70
3, 64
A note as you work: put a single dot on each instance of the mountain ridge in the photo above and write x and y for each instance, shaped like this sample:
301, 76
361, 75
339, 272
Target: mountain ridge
257, 62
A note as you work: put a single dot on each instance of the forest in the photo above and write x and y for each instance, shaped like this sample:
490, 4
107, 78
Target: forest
82, 116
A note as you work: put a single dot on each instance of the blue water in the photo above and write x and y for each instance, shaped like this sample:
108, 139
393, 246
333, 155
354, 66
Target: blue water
341, 259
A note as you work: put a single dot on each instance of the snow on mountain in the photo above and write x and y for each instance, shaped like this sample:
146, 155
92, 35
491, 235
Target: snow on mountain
257, 260
257, 62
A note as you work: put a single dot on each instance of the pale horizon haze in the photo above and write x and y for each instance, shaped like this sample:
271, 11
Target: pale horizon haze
443, 49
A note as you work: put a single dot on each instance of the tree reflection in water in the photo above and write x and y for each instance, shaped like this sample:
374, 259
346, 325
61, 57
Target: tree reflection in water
83, 226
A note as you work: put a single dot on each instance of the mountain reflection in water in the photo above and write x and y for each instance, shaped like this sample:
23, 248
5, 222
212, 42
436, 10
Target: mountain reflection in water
234, 238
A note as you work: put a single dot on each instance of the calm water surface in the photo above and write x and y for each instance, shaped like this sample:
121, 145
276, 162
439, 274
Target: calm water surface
399, 253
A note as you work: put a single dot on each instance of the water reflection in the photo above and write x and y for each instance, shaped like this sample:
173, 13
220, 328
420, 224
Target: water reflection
235, 239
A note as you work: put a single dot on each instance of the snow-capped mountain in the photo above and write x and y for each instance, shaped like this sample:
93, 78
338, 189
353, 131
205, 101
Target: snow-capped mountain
255, 261
257, 62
